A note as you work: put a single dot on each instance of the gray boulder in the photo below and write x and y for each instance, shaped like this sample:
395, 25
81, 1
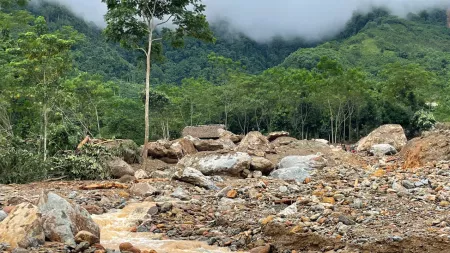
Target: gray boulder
382, 149
298, 168
195, 177
120, 168
3, 215
142, 190
262, 164
217, 164
62, 221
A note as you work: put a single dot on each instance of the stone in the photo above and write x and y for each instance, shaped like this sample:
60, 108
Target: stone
261, 249
227, 135
387, 134
228, 204
8, 209
141, 174
253, 143
72, 195
62, 220
289, 211
283, 189
346, 220
81, 247
262, 164
3, 215
204, 131
195, 177
382, 149
142, 190
171, 151
218, 164
298, 167
283, 141
232, 194
125, 246
127, 179
408, 184
23, 227
165, 207
323, 141
85, 236
208, 145
179, 193
120, 168
14, 201
275, 135
94, 209
257, 174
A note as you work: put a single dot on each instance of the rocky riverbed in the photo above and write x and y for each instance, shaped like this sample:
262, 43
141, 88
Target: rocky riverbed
231, 200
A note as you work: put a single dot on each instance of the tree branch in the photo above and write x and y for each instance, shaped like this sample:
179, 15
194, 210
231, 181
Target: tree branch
167, 20
156, 39
143, 50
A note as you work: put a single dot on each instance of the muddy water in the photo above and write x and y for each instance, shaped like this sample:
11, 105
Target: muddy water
115, 227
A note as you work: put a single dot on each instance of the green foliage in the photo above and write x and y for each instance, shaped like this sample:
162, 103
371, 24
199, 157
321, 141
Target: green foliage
89, 163
424, 120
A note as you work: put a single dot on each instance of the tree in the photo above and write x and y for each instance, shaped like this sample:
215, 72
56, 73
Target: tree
43, 59
132, 21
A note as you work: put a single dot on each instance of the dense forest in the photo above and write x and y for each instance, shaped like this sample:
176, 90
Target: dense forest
62, 79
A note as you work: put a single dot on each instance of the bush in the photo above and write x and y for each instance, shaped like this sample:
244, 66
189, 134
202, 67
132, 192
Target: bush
423, 120
18, 165
87, 164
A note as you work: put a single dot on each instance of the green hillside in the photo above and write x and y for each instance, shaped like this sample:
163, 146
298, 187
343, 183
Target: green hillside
423, 39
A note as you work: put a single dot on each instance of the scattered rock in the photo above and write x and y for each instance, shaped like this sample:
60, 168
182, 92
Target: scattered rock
85, 236
142, 190
141, 174
262, 164
232, 194
120, 168
204, 132
298, 167
289, 211
382, 149
195, 177
23, 227
179, 193
275, 135
216, 164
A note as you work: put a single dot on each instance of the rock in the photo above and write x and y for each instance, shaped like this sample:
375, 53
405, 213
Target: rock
261, 249
179, 193
399, 188
283, 141
8, 209
323, 141
62, 220
232, 194
3, 215
72, 195
120, 168
297, 174
14, 201
382, 149
94, 209
289, 211
275, 135
208, 145
254, 143
142, 190
386, 134
141, 174
228, 204
203, 132
216, 164
257, 174
81, 247
195, 177
127, 179
298, 167
165, 207
283, 189
171, 151
262, 164
346, 220
23, 227
129, 150
408, 184
125, 246
85, 236
227, 135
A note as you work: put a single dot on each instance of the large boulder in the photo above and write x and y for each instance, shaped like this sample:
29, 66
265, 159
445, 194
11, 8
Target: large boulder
142, 190
386, 134
195, 177
62, 220
120, 168
23, 227
128, 150
274, 135
218, 164
298, 168
382, 149
203, 132
208, 145
262, 164
227, 135
255, 143
171, 151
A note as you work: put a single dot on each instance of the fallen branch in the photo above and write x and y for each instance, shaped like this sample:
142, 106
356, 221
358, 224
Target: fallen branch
108, 185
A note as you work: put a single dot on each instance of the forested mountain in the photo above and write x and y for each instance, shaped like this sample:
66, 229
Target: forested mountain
63, 80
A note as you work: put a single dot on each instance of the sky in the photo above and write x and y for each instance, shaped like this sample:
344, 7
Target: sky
263, 19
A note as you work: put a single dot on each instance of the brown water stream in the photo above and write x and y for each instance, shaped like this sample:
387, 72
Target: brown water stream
115, 228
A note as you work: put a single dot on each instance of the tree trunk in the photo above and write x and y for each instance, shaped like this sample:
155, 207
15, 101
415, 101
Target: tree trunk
147, 96
98, 122
45, 131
